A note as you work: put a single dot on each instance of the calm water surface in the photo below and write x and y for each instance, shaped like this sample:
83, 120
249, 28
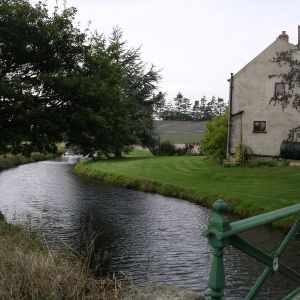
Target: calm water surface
149, 238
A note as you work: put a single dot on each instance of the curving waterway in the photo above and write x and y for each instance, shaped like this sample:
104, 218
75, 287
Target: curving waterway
148, 238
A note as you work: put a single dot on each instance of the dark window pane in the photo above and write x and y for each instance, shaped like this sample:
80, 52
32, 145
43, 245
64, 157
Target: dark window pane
259, 126
279, 89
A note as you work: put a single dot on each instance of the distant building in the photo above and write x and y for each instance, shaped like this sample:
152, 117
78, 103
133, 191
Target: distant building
254, 121
180, 132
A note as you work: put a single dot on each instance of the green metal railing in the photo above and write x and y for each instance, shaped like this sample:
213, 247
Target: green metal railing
221, 233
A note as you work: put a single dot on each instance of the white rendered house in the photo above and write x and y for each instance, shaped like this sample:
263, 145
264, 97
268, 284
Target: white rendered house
253, 120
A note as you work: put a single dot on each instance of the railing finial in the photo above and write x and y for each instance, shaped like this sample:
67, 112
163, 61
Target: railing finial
220, 223
220, 206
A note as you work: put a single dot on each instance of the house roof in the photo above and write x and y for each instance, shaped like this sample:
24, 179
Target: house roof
179, 126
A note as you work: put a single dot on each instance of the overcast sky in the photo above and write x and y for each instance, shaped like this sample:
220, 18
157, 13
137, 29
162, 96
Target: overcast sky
195, 43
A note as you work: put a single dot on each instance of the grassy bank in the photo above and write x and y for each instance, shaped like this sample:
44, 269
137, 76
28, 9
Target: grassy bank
10, 161
248, 190
30, 271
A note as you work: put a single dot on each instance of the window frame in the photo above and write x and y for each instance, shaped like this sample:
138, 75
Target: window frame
259, 131
279, 95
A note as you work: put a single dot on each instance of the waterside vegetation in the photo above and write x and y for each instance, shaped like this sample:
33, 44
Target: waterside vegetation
248, 190
9, 161
30, 271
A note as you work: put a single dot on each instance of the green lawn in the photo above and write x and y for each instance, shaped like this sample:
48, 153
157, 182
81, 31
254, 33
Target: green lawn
138, 152
248, 190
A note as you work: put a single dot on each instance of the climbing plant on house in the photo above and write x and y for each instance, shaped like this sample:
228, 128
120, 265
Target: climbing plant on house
291, 81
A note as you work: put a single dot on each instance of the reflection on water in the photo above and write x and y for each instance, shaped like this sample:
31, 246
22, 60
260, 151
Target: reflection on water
150, 238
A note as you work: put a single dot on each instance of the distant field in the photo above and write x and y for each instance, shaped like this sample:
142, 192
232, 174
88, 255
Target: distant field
248, 190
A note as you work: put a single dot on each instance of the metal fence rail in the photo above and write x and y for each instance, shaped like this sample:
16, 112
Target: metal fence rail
221, 233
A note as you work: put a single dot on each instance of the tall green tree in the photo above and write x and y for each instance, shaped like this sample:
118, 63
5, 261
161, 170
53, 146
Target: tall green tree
182, 107
120, 97
140, 87
35, 50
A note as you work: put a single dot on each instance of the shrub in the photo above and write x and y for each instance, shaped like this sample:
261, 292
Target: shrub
242, 154
192, 149
165, 149
215, 139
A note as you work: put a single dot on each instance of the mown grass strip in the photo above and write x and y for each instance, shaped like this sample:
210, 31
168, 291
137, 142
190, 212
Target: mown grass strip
248, 190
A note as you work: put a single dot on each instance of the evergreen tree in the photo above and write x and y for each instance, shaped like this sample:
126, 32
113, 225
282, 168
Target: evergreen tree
202, 110
178, 101
196, 115
120, 99
186, 107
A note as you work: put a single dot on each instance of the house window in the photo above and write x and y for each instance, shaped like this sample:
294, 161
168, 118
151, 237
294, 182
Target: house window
279, 89
259, 126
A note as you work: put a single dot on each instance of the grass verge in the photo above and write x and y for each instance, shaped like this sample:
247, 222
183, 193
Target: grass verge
248, 190
29, 271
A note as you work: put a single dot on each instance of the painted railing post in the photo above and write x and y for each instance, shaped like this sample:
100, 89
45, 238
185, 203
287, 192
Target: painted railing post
220, 233
220, 223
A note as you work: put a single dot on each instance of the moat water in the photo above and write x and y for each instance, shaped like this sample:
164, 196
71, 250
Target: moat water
147, 238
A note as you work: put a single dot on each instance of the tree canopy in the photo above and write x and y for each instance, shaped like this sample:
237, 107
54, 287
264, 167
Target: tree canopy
35, 50
115, 98
61, 83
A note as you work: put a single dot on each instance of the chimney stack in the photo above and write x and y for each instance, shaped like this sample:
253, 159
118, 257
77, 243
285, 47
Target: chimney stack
283, 36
